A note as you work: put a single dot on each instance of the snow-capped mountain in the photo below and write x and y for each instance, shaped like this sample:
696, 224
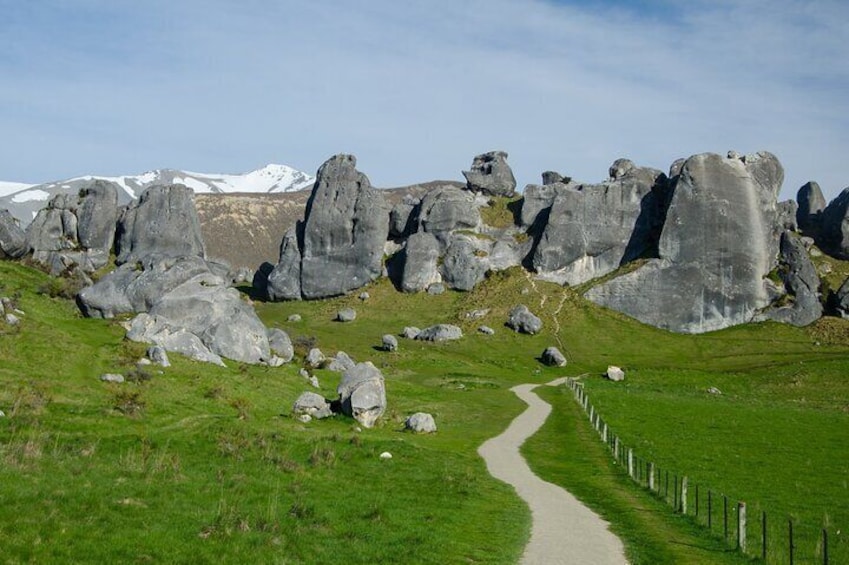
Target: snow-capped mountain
24, 201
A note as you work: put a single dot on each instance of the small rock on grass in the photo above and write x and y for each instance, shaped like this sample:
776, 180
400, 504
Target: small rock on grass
386, 455
421, 422
112, 378
486, 330
346, 315
390, 343
615, 374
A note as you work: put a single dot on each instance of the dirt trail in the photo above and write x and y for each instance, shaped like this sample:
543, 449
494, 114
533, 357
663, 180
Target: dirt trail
564, 531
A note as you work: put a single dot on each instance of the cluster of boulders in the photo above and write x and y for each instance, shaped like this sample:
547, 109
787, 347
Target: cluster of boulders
711, 233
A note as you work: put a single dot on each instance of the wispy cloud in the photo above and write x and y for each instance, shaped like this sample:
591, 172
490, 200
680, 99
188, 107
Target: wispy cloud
416, 89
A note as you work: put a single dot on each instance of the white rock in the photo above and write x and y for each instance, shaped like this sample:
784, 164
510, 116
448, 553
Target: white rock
112, 378
615, 374
386, 455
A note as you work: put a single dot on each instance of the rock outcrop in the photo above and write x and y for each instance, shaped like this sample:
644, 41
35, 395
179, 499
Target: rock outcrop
420, 260
340, 245
833, 237
164, 222
13, 240
522, 320
801, 282
811, 205
491, 175
594, 229
719, 242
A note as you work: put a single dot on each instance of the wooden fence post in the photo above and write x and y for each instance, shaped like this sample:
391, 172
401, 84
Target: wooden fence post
630, 462
824, 546
724, 517
684, 496
604, 432
741, 526
790, 538
763, 536
710, 510
651, 476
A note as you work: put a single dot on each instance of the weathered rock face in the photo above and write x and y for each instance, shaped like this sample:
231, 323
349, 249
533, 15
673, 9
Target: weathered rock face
401, 216
13, 240
719, 242
362, 393
339, 246
162, 221
447, 209
345, 228
97, 215
490, 174
841, 300
594, 229
284, 281
811, 204
537, 201
420, 262
833, 236
280, 344
801, 282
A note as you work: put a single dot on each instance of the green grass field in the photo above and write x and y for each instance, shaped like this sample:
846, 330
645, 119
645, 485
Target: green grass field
205, 464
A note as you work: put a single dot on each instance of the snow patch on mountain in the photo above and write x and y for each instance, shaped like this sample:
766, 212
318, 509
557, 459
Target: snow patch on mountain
7, 188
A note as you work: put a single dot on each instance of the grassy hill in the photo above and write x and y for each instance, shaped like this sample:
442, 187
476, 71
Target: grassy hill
199, 463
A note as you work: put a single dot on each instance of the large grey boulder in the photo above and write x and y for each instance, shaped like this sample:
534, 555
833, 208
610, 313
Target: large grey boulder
522, 320
811, 205
389, 343
553, 357
97, 215
312, 405
341, 362
447, 209
440, 332
594, 229
401, 217
537, 201
217, 315
490, 174
801, 282
345, 227
841, 300
151, 329
420, 262
362, 393
833, 236
462, 268
163, 221
719, 242
13, 240
284, 281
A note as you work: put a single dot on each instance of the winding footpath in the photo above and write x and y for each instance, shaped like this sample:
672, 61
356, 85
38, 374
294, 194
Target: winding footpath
563, 530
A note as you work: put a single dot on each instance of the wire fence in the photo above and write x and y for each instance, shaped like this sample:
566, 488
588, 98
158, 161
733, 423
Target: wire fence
747, 527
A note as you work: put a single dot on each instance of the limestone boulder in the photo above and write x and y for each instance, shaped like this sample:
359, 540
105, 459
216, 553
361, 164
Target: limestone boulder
440, 332
163, 221
312, 405
362, 393
833, 237
13, 240
522, 320
280, 344
284, 280
801, 282
389, 343
811, 204
462, 268
402, 217
719, 242
420, 262
420, 423
594, 229
553, 357
491, 175
447, 209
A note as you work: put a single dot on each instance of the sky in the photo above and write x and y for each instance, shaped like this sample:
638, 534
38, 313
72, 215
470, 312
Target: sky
416, 89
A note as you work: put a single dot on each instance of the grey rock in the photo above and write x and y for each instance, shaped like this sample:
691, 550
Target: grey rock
362, 393
315, 358
152, 329
675, 168
594, 229
280, 344
787, 212
158, 355
312, 405
552, 177
304, 373
833, 236
401, 217
476, 314
314, 381
841, 300
97, 215
143, 362
436, 289
801, 282
389, 343
346, 225
522, 320
714, 390
719, 242
12, 320
420, 262
364, 296
614, 373
410, 332
13, 240
284, 281
294, 318
486, 330
811, 205
490, 174
538, 199
163, 221
553, 357
440, 332
112, 378
346, 315
420, 423
447, 209
341, 362
461, 268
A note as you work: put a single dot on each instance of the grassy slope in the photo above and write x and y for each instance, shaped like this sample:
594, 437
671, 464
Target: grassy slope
214, 469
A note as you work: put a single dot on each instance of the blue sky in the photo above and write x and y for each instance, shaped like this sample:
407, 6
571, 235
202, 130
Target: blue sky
415, 89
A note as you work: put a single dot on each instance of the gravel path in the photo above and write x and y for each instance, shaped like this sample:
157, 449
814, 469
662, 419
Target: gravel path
564, 531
